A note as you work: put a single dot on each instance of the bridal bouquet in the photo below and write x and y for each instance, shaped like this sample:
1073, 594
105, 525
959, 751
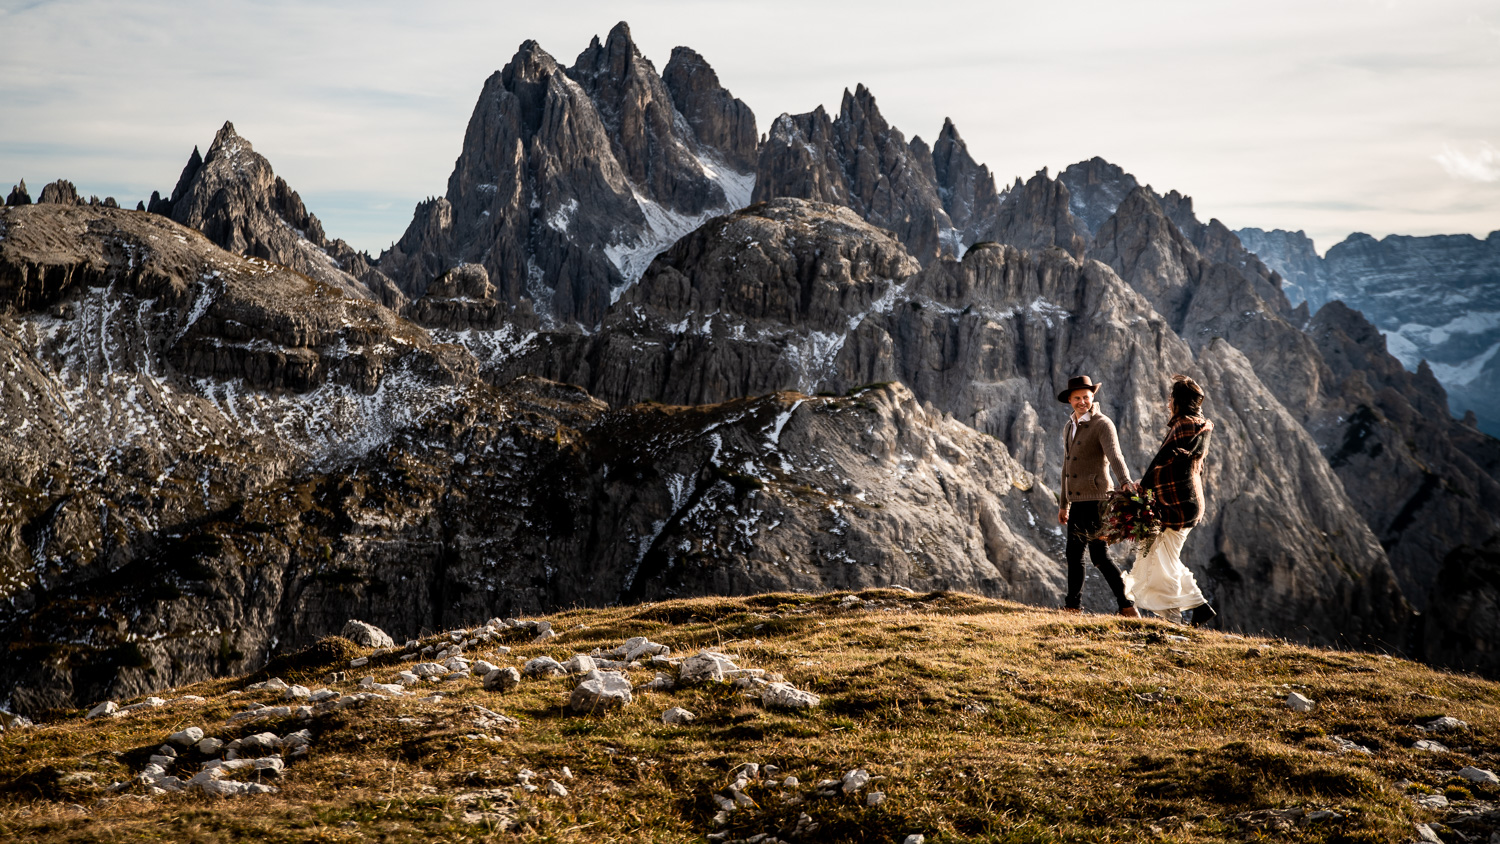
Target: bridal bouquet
1130, 516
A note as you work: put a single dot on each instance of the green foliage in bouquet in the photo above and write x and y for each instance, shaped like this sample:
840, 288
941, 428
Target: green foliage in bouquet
1130, 516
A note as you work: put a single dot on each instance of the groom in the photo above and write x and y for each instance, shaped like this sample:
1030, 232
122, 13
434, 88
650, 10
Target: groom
1089, 440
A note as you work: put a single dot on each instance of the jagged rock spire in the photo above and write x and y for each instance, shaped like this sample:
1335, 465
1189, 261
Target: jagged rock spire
19, 195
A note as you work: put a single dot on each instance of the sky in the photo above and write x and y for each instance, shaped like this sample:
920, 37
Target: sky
1334, 116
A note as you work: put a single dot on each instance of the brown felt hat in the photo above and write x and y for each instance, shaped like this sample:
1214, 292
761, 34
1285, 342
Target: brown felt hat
1078, 382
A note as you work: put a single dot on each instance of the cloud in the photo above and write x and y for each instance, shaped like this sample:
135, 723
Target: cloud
1483, 167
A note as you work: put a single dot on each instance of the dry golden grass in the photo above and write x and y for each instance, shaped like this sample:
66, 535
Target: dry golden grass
989, 721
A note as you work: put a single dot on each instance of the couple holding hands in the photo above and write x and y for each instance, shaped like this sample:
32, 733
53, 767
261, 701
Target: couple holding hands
1158, 582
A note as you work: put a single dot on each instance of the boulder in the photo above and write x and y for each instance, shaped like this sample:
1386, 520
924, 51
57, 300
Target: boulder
786, 696
366, 635
502, 679
610, 690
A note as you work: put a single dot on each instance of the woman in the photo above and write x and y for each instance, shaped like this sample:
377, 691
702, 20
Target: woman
1160, 582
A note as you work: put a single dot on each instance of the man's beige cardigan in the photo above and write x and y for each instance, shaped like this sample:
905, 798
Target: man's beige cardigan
1083, 469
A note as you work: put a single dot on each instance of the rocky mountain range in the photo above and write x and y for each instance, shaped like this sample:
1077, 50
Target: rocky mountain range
1432, 298
595, 371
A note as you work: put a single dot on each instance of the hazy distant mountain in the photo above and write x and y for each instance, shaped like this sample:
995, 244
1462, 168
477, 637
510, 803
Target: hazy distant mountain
1432, 297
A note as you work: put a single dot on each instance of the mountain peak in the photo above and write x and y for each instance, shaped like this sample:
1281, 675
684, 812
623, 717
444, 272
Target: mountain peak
227, 140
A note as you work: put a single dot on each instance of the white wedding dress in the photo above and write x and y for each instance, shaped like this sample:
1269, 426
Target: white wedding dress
1159, 582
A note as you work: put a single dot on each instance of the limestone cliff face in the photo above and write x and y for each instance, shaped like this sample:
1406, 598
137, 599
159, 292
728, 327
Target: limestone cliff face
1428, 485
861, 161
794, 294
569, 182
1096, 188
1036, 216
967, 187
720, 122
237, 201
212, 458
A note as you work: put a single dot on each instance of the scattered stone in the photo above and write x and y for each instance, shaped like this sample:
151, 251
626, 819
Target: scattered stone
1478, 775
108, 707
785, 696
543, 666
556, 789
258, 743
456, 676
545, 635
1299, 703
275, 684
480, 668
1426, 834
187, 737
677, 716
148, 703
855, 780
705, 667
298, 692
359, 662
1430, 746
874, 798
915, 838
321, 695
502, 679
366, 635
210, 746
1430, 801
428, 669
579, 664
610, 690
1445, 724
1347, 746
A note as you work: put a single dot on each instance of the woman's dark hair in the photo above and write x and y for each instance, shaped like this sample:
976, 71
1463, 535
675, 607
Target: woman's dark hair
1187, 396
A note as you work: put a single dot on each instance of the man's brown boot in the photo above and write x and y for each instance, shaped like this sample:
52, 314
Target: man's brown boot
1130, 612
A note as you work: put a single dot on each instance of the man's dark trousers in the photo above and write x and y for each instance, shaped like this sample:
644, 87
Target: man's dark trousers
1083, 520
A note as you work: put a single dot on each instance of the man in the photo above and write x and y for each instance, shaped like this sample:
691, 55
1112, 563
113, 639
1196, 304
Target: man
1089, 440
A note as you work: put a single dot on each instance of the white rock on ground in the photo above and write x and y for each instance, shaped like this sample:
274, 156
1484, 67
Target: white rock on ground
705, 667
502, 679
367, 635
610, 690
210, 746
915, 838
108, 707
1430, 746
677, 716
1299, 703
1478, 775
579, 664
855, 780
1445, 724
543, 666
874, 798
184, 738
297, 692
275, 684
786, 696
556, 789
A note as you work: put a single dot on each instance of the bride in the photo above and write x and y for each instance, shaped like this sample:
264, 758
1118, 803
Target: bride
1159, 581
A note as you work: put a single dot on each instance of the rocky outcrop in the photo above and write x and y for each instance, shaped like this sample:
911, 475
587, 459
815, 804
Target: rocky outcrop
719, 121
1035, 216
212, 458
861, 161
238, 202
1096, 188
60, 192
642, 123
18, 195
1426, 483
1304, 278
570, 181
966, 187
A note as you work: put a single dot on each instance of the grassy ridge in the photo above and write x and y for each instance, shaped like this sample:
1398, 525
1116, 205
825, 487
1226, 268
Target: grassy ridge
987, 721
